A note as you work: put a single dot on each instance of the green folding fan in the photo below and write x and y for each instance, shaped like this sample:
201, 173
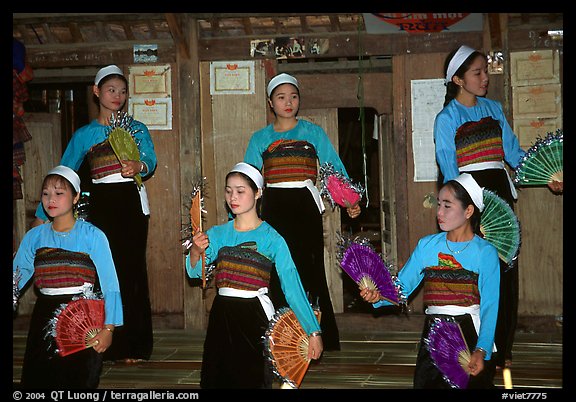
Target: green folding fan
500, 226
121, 138
543, 162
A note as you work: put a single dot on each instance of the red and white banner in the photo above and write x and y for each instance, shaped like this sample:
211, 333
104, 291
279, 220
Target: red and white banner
413, 23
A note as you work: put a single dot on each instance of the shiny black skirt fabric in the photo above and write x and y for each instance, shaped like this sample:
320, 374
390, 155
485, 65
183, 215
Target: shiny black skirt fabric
234, 354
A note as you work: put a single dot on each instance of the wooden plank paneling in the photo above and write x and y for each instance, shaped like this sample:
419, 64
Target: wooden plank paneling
228, 122
541, 259
337, 90
235, 118
164, 252
190, 153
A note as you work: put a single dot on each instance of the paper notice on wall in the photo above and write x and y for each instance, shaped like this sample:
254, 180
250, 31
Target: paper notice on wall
427, 100
232, 78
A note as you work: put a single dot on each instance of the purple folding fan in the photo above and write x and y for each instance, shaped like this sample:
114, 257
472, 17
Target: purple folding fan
449, 351
368, 270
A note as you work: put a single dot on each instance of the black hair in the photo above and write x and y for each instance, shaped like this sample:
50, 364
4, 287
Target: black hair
451, 87
462, 195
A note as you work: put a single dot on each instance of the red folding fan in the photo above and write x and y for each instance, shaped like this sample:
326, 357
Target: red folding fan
77, 324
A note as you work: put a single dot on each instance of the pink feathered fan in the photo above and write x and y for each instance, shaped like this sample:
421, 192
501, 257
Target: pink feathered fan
337, 188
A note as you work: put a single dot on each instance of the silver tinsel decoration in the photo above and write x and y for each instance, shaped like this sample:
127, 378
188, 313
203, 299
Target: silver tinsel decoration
198, 187
16, 276
188, 231
326, 171
542, 162
123, 120
345, 241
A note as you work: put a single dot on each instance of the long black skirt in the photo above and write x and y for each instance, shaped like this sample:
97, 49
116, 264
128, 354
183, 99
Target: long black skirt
427, 375
294, 214
115, 208
496, 180
234, 355
43, 367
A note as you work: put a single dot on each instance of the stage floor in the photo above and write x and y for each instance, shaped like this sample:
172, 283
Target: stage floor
367, 360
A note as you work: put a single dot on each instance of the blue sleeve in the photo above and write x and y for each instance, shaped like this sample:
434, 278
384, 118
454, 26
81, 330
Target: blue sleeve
293, 289
410, 275
146, 147
489, 287
253, 154
326, 151
512, 151
24, 259
102, 258
445, 147
212, 250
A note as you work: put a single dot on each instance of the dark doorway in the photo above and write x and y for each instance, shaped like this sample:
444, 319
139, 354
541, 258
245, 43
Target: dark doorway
358, 150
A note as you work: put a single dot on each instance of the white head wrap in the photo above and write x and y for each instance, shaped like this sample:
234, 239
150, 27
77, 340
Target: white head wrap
459, 57
106, 71
279, 80
476, 192
68, 174
251, 172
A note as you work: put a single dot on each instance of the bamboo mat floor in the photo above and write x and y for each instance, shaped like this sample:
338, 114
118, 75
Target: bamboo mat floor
383, 360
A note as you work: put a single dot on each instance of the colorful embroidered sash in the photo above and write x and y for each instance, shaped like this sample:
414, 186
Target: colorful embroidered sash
449, 283
103, 161
290, 160
479, 141
59, 268
242, 267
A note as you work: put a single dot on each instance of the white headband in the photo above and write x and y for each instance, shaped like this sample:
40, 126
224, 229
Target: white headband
474, 190
68, 174
279, 80
106, 71
459, 57
251, 172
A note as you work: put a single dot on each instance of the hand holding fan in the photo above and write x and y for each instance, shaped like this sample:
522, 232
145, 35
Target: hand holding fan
337, 188
543, 162
76, 323
500, 226
366, 267
122, 141
195, 213
286, 345
449, 351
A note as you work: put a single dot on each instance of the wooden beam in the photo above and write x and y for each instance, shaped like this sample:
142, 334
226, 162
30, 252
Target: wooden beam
179, 39
128, 30
75, 31
495, 31
346, 45
247, 26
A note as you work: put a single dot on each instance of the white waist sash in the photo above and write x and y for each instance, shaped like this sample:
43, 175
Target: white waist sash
491, 165
261, 294
473, 310
70, 290
300, 184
